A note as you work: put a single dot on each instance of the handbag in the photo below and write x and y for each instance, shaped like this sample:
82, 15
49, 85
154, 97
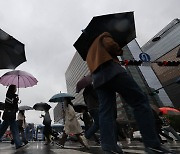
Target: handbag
9, 115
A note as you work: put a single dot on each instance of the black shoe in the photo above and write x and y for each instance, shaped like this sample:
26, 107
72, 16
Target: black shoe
12, 142
158, 150
26, 142
21, 147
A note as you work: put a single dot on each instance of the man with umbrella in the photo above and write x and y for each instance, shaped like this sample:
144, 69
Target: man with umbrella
110, 77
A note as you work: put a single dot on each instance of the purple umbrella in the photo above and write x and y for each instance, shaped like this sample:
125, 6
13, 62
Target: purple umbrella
19, 78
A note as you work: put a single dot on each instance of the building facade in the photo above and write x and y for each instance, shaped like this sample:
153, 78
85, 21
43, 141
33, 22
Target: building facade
164, 46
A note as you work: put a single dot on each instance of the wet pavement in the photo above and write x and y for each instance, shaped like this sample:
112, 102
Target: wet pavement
74, 148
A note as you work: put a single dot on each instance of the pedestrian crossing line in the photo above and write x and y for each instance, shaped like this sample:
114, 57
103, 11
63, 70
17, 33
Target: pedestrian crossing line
133, 151
67, 151
7, 147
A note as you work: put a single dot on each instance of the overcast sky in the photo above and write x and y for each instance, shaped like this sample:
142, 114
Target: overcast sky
49, 28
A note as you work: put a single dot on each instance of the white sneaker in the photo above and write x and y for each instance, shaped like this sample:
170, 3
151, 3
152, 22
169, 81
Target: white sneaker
85, 141
128, 140
119, 143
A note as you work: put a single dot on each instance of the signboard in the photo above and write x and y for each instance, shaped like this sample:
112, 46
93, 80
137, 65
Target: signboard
144, 57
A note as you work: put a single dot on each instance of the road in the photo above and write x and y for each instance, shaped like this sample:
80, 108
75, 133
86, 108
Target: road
73, 148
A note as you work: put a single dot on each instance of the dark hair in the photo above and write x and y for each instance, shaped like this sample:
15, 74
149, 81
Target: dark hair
69, 101
11, 90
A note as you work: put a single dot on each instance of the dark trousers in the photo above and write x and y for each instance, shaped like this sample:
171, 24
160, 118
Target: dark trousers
14, 129
133, 95
95, 126
47, 132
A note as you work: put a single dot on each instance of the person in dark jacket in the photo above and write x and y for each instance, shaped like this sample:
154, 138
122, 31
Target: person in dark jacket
9, 116
110, 77
92, 103
47, 126
159, 125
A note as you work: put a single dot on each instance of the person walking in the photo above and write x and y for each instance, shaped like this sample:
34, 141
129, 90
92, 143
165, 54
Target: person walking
159, 126
72, 125
88, 123
21, 120
92, 103
47, 131
9, 116
110, 77
167, 128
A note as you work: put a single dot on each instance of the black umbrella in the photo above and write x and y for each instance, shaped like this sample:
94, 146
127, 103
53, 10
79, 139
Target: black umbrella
25, 107
41, 106
12, 52
2, 106
120, 25
78, 108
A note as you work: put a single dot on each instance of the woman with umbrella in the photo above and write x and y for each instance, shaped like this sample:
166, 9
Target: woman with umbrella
9, 115
72, 125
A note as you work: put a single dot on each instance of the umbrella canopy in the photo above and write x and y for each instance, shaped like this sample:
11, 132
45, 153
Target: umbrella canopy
12, 52
120, 25
169, 111
41, 106
19, 78
25, 107
83, 82
2, 105
80, 107
60, 97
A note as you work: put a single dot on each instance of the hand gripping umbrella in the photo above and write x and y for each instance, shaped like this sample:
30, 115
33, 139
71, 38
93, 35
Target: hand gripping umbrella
120, 25
12, 52
41, 106
19, 78
60, 97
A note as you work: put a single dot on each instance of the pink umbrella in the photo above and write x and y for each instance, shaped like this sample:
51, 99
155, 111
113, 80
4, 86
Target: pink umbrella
19, 78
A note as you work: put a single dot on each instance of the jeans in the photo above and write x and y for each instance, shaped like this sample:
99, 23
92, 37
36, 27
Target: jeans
133, 95
94, 128
14, 130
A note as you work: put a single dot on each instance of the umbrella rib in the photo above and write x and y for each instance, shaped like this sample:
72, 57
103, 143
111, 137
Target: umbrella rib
11, 76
